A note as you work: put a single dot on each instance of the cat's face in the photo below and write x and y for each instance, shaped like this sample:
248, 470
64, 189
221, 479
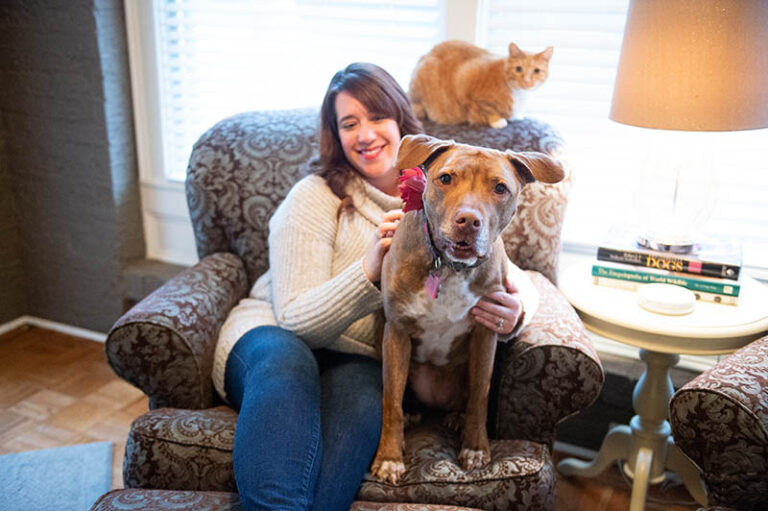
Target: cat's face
526, 70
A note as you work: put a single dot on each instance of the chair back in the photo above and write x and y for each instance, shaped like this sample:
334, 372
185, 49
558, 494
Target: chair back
242, 168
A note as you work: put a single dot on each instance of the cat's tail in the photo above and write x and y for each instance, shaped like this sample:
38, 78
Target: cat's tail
419, 111
415, 98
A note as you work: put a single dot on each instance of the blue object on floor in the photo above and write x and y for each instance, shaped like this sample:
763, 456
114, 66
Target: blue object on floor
63, 478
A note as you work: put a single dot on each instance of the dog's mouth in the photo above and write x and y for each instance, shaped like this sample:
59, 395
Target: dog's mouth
463, 249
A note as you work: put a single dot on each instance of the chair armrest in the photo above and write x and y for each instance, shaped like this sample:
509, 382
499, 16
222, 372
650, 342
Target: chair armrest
720, 420
551, 371
164, 345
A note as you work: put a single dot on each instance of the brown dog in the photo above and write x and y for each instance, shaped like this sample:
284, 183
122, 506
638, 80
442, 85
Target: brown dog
453, 244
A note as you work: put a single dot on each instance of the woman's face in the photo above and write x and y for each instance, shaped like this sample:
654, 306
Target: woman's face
369, 141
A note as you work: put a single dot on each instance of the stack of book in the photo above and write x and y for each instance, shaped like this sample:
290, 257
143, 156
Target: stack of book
711, 272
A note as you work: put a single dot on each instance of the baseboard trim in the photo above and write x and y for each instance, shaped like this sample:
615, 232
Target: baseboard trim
62, 328
575, 451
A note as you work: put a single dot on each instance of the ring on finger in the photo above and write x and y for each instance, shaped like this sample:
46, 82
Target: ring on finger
500, 324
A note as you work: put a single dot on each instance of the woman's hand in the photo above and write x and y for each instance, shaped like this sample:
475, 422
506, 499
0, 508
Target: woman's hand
500, 311
375, 254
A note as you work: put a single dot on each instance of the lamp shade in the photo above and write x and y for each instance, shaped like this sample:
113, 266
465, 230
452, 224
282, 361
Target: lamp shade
699, 65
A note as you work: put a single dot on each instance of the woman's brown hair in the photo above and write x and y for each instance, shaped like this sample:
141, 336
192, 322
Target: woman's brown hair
380, 94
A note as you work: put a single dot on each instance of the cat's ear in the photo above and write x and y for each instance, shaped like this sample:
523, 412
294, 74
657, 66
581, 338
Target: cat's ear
532, 166
547, 54
515, 51
417, 149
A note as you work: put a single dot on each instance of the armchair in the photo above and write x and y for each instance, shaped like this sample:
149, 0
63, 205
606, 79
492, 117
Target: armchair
239, 172
720, 421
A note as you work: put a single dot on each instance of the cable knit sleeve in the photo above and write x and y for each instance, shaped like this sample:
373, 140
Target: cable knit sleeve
308, 298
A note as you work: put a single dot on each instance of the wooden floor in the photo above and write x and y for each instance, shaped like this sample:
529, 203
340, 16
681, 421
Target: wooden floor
58, 390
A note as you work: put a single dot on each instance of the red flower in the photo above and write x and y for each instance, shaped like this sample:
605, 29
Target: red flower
411, 188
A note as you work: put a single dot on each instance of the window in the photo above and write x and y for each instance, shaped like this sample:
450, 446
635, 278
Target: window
222, 58
195, 62
609, 159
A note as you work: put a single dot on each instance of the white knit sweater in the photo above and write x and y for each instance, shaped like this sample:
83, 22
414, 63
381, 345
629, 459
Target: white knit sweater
315, 285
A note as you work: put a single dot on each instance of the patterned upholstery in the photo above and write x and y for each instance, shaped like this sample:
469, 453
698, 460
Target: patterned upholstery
167, 500
239, 172
720, 421
173, 331
361, 505
178, 449
520, 475
174, 500
550, 372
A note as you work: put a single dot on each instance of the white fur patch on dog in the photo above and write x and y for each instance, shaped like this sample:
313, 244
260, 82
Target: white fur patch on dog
443, 319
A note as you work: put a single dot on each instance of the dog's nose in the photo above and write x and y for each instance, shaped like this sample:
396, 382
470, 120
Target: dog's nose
467, 219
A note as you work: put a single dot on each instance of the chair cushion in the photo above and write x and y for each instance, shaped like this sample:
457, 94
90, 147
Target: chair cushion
177, 449
520, 475
162, 500
175, 500
361, 505
192, 450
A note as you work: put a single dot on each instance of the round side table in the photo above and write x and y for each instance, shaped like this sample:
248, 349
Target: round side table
646, 445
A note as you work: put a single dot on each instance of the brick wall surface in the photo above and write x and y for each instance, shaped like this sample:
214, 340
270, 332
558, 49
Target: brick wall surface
70, 156
12, 296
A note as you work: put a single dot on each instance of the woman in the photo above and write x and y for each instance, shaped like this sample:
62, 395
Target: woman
296, 357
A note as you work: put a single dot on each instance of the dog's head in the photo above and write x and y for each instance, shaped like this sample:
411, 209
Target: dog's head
471, 193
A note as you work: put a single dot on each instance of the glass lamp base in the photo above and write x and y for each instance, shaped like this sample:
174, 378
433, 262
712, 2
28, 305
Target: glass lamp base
671, 244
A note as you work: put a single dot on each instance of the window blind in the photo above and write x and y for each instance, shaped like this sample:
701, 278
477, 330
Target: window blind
218, 58
612, 180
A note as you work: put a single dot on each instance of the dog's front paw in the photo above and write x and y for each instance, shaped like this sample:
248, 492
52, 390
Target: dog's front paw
470, 459
388, 469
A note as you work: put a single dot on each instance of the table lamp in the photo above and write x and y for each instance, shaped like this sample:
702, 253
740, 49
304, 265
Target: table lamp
691, 65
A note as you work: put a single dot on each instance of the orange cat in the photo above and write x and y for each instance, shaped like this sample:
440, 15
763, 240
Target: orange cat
457, 82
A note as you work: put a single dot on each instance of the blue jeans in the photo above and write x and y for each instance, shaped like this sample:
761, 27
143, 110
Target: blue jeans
309, 423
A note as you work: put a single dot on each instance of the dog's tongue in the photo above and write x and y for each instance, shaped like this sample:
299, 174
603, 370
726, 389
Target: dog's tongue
411, 189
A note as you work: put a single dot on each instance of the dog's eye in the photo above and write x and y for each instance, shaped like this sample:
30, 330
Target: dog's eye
445, 179
501, 189
519, 69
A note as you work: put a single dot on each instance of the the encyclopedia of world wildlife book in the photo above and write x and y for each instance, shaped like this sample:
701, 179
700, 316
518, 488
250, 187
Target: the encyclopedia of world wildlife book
652, 275
713, 257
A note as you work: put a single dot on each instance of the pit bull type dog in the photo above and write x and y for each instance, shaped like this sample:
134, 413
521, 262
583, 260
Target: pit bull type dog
443, 259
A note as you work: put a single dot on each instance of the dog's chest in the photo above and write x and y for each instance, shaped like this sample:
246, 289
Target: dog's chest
441, 320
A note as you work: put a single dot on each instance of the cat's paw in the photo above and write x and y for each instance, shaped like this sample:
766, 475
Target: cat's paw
498, 124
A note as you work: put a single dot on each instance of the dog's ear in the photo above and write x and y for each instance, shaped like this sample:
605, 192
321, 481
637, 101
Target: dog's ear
417, 149
532, 166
